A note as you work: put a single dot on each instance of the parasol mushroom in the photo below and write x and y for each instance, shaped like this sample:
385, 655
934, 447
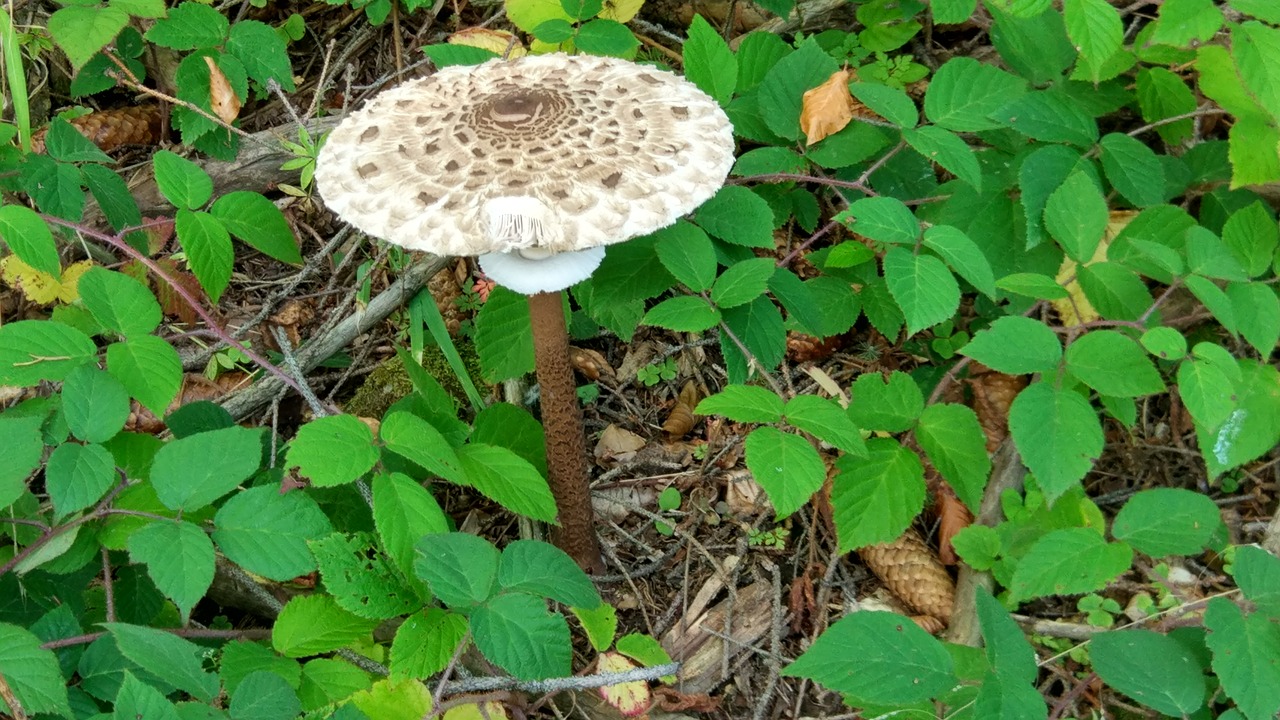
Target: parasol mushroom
534, 165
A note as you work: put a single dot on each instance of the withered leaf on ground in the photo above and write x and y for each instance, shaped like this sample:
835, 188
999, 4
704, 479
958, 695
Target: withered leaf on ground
826, 109
681, 420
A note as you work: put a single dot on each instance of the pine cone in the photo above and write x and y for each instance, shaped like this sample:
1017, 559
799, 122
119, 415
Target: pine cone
911, 570
109, 129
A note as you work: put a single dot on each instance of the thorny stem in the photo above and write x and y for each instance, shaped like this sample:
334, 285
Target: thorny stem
562, 422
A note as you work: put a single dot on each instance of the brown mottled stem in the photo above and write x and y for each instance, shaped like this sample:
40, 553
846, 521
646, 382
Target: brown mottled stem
562, 422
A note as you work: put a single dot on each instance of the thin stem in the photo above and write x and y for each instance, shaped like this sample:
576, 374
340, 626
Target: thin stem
562, 421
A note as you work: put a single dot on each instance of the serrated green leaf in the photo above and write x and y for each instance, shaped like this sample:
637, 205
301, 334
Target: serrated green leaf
544, 570
1067, 562
190, 25
181, 181
404, 511
94, 404
1008, 651
35, 350
24, 451
461, 569
507, 479
314, 624
952, 438
262, 52
1252, 236
29, 238
141, 700
948, 150
737, 215
1076, 216
1095, 28
1163, 94
884, 219
258, 222
1244, 649
77, 476
264, 695
81, 31
922, 285
782, 89
874, 499
606, 37
962, 255
326, 682
193, 471
1133, 169
1252, 428
1164, 343
1016, 345
1153, 669
898, 663
504, 340
333, 450
708, 62
888, 102
149, 368
65, 144
32, 673
172, 659
1167, 521
743, 403
179, 558
825, 420
425, 642
684, 313
1048, 117
120, 303
758, 325
1033, 285
208, 248
742, 282
267, 533
519, 634
1257, 311
891, 404
1058, 435
361, 579
786, 466
687, 253
1113, 364
414, 438
964, 93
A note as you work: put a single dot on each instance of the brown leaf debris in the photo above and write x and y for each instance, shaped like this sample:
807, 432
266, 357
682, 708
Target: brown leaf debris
826, 109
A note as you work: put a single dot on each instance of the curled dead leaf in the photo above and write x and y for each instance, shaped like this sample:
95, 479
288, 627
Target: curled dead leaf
826, 109
617, 444
681, 419
590, 363
222, 99
631, 699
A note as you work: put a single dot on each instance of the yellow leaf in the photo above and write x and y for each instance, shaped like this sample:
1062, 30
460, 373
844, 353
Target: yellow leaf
1075, 309
496, 41
630, 698
826, 109
40, 287
623, 11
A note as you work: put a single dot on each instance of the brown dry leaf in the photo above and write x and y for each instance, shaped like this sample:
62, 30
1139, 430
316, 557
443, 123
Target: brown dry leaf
223, 100
630, 698
617, 444
826, 109
496, 41
910, 569
590, 363
170, 301
681, 420
953, 517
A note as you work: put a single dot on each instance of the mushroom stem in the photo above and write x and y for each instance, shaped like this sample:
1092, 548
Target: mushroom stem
562, 423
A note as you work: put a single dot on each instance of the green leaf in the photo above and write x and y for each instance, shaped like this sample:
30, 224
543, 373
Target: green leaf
208, 248
757, 55
506, 425
758, 325
333, 450
1244, 651
193, 471
1163, 94
257, 221
1164, 343
404, 511
1002, 698
54, 186
409, 435
896, 663
743, 403
1214, 300
1133, 169
1076, 216
739, 216
507, 479
684, 313
891, 404
35, 350
65, 144
267, 533
884, 219
1257, 311
964, 93
1058, 435
952, 12
1167, 521
782, 90
120, 303
1096, 29
1261, 9
77, 476
1253, 428
174, 660
519, 634
1008, 651
24, 451
963, 256
606, 37
1208, 255
825, 420
1206, 387
1184, 21
1113, 364
149, 368
328, 681
1068, 561
179, 558
743, 282
94, 404
29, 238
952, 438
1256, 50
888, 102
181, 181
504, 340
544, 570
1048, 117
1115, 291
1153, 669
264, 695
922, 285
262, 52
140, 700
113, 196
425, 642
1257, 573
32, 673
461, 569
708, 62
874, 499
1016, 346
687, 253
314, 624
361, 579
1252, 236
81, 31
948, 150
190, 25
786, 466
1248, 166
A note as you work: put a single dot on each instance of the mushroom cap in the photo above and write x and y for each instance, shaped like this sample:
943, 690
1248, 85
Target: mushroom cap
538, 155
